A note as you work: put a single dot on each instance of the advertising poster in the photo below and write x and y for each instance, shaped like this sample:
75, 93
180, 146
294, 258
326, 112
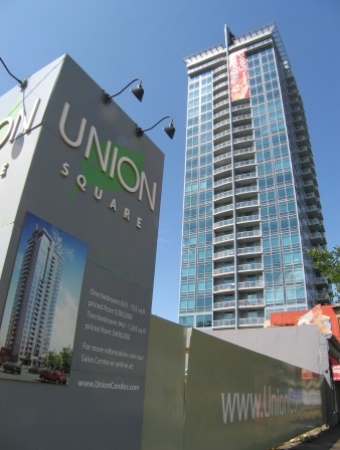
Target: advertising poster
239, 79
37, 330
316, 316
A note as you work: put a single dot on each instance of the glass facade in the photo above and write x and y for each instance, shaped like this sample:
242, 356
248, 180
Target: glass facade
197, 250
251, 202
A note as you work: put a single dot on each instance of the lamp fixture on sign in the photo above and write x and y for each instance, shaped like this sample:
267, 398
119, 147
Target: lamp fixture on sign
170, 129
137, 91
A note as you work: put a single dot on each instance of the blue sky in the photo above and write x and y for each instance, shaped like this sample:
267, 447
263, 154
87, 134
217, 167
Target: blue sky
115, 41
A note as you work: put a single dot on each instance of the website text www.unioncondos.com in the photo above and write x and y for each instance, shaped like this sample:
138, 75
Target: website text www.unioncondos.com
107, 385
239, 406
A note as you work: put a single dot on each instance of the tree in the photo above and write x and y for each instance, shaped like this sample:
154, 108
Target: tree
66, 356
52, 360
328, 264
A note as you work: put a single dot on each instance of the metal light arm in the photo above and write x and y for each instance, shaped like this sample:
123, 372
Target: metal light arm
170, 129
22, 83
138, 91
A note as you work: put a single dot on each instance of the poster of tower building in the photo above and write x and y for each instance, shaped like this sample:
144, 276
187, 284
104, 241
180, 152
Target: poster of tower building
42, 306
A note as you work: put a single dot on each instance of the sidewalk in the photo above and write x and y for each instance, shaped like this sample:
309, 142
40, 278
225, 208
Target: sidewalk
327, 439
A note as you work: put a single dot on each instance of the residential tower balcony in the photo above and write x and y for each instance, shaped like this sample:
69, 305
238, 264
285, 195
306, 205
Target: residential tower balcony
224, 305
224, 323
224, 271
251, 322
254, 284
224, 255
251, 303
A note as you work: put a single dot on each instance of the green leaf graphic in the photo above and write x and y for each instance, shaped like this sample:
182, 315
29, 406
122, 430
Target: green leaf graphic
91, 169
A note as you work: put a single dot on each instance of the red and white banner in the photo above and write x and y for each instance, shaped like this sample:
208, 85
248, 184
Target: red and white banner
239, 79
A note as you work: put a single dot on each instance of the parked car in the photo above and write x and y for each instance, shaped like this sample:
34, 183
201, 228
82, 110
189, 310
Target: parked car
54, 376
11, 367
34, 370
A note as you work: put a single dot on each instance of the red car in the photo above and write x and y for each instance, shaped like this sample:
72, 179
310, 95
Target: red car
53, 375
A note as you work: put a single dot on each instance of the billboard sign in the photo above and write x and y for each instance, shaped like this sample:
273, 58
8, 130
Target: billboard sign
242, 399
80, 195
316, 316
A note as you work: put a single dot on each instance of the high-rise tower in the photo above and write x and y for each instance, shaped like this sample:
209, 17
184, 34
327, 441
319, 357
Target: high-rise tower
251, 201
31, 322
